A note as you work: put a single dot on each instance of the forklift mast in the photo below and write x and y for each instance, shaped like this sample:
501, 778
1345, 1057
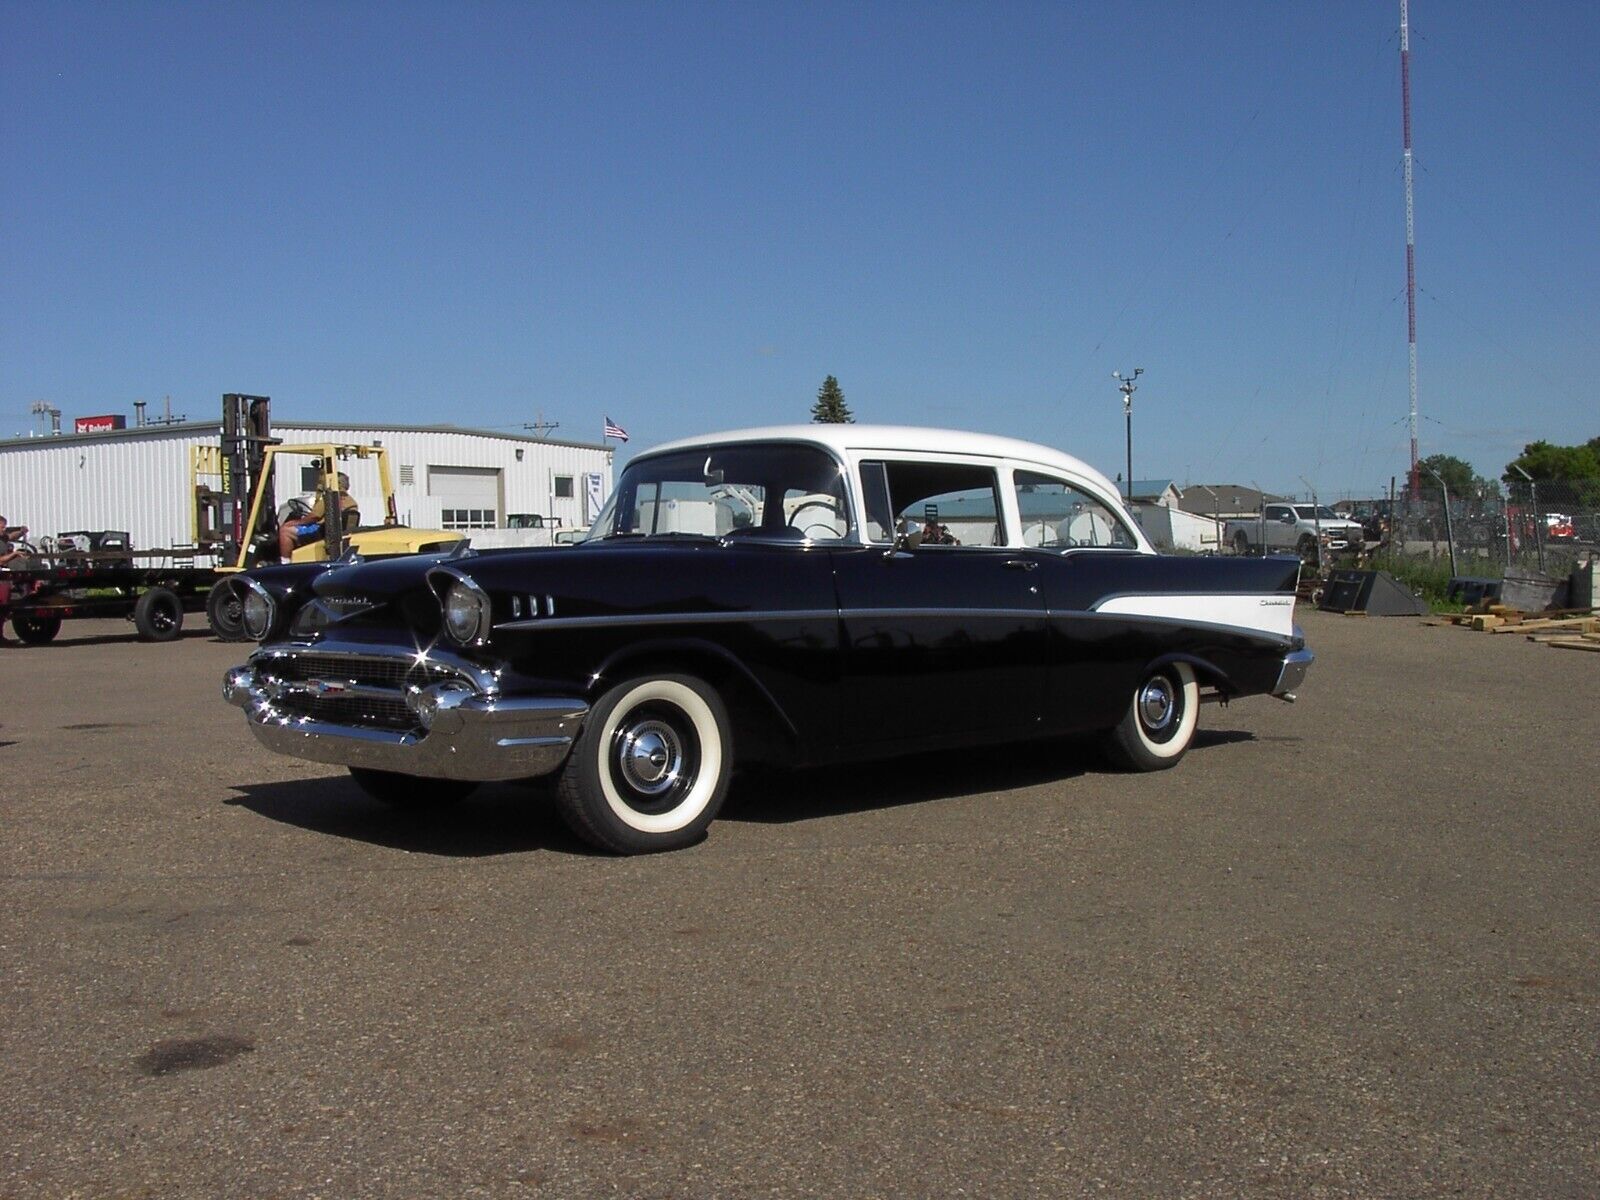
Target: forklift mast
246, 434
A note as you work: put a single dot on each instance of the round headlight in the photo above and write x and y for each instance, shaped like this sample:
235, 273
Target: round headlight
465, 613
256, 610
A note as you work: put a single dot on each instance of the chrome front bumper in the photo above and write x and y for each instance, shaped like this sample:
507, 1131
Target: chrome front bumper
1292, 674
463, 730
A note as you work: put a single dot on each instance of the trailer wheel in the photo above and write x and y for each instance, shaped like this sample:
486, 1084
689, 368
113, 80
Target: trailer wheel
225, 612
35, 631
158, 615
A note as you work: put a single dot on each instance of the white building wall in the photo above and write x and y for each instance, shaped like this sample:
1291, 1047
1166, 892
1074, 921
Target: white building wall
140, 484
139, 481
526, 486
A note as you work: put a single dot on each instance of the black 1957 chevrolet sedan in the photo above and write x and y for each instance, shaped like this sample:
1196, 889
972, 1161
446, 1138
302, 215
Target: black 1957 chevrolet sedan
796, 595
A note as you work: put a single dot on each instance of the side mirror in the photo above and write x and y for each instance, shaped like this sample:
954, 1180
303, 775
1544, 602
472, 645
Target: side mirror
908, 536
1288, 520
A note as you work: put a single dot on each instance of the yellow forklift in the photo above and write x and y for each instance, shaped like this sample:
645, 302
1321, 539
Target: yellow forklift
235, 527
236, 516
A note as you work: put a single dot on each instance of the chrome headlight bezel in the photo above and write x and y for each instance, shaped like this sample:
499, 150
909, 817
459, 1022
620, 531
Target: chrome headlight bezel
465, 610
258, 611
464, 607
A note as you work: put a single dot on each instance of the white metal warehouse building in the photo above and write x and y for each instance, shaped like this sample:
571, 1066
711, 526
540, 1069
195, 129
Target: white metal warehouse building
444, 478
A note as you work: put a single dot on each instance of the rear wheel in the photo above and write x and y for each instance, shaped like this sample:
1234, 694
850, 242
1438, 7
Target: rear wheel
35, 630
1241, 542
158, 615
650, 769
411, 793
225, 612
1159, 724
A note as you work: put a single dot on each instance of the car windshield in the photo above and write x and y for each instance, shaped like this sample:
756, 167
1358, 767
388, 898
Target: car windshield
775, 490
1316, 512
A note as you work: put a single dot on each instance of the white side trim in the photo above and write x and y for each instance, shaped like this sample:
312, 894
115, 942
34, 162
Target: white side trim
1270, 612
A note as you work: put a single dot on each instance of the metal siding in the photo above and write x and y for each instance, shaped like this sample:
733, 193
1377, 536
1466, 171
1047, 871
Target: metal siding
527, 486
140, 481
137, 484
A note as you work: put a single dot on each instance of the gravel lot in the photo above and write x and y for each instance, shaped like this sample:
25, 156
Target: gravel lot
1348, 947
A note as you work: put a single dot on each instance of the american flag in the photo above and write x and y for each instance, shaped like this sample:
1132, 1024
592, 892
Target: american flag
613, 430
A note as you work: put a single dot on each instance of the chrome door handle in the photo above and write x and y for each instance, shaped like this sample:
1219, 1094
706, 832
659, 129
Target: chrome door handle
1021, 564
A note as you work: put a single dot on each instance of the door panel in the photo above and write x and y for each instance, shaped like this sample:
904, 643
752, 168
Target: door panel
940, 644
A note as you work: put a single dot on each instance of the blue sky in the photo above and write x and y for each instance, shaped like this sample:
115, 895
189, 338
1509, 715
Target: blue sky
685, 215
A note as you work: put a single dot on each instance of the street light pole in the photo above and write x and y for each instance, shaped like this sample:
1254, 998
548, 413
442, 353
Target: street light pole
1449, 529
1538, 524
1127, 387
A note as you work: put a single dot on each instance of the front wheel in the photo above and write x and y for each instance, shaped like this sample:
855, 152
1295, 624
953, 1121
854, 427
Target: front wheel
651, 767
411, 793
1160, 722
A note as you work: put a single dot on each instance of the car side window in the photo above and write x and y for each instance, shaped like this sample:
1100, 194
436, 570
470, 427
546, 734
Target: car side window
1056, 515
952, 504
1277, 512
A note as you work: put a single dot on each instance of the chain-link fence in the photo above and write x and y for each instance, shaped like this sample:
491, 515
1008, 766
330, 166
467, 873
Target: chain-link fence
1542, 528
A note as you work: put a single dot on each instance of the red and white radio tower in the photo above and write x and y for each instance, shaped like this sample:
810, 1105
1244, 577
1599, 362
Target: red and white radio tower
1411, 237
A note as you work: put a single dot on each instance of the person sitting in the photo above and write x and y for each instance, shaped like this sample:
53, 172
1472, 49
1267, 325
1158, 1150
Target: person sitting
302, 530
935, 534
10, 556
10, 535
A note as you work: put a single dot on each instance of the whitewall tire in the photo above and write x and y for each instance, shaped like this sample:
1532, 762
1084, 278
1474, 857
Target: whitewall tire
1159, 724
650, 769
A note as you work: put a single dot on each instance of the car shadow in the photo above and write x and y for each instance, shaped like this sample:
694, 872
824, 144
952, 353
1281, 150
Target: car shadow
769, 795
496, 819
518, 819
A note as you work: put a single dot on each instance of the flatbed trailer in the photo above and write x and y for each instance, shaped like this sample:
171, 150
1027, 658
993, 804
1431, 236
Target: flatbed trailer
151, 588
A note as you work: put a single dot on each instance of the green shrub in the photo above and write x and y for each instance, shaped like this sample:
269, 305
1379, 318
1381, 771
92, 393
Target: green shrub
1430, 578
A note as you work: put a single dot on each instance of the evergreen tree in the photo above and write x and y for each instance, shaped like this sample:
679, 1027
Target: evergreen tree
830, 408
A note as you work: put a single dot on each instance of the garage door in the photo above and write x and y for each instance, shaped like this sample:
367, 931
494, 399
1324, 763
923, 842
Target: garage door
468, 497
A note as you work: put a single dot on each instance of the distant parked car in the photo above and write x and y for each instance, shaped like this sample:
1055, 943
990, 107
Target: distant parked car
1294, 527
1559, 527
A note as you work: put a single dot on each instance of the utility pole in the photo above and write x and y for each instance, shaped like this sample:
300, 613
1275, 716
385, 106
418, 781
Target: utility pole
540, 426
1126, 385
1411, 236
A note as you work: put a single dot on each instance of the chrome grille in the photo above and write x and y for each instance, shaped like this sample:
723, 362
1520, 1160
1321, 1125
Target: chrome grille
370, 711
383, 682
374, 671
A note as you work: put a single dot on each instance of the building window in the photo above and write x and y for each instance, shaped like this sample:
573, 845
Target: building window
563, 487
467, 518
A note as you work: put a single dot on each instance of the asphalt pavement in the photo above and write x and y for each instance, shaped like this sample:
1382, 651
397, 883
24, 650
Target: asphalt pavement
1349, 947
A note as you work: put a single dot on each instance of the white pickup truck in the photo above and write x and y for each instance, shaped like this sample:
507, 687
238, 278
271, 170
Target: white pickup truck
1295, 528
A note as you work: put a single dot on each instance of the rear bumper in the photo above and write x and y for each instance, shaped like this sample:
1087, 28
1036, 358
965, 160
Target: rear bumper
1293, 673
461, 732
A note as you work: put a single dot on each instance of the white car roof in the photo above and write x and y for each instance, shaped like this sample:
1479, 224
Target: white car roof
846, 440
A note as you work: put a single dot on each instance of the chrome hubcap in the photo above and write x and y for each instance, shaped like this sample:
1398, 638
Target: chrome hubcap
1156, 707
651, 757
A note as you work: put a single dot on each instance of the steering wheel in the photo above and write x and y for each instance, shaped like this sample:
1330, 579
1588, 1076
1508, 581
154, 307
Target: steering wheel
828, 524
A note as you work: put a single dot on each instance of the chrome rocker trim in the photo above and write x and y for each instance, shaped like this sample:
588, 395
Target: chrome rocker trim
465, 730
